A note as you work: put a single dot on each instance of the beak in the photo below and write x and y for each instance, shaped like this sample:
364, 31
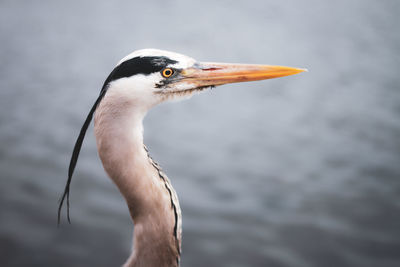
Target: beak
211, 74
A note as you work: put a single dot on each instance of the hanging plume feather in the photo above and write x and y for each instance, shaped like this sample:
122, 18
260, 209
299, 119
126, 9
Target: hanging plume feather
75, 155
78, 145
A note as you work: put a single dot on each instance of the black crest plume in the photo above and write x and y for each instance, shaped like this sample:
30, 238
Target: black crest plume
137, 65
78, 145
75, 155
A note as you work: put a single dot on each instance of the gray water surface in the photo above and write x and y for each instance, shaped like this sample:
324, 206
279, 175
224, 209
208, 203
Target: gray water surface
296, 171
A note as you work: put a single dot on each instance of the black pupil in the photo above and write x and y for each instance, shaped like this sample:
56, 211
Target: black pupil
168, 72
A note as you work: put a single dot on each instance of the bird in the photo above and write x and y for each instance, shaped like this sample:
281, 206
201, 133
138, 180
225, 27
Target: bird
140, 81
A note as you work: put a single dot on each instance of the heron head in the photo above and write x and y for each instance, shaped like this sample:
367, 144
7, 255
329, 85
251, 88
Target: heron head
151, 76
147, 77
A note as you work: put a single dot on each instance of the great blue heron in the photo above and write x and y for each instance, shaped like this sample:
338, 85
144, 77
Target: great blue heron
140, 81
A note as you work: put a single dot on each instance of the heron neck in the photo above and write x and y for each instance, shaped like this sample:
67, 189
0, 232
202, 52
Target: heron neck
119, 137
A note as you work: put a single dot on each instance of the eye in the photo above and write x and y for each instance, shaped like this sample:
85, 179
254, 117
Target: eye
167, 72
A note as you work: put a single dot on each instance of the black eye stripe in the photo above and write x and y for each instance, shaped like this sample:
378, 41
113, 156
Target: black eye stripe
139, 65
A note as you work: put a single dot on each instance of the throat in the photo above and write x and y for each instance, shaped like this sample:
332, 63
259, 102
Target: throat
151, 199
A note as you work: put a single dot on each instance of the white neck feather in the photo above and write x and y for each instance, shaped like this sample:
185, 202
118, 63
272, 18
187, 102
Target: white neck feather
119, 137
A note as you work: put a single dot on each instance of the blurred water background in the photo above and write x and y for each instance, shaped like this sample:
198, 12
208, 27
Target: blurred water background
297, 171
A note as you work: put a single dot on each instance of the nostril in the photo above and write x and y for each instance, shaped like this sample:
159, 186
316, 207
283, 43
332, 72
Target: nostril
210, 69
